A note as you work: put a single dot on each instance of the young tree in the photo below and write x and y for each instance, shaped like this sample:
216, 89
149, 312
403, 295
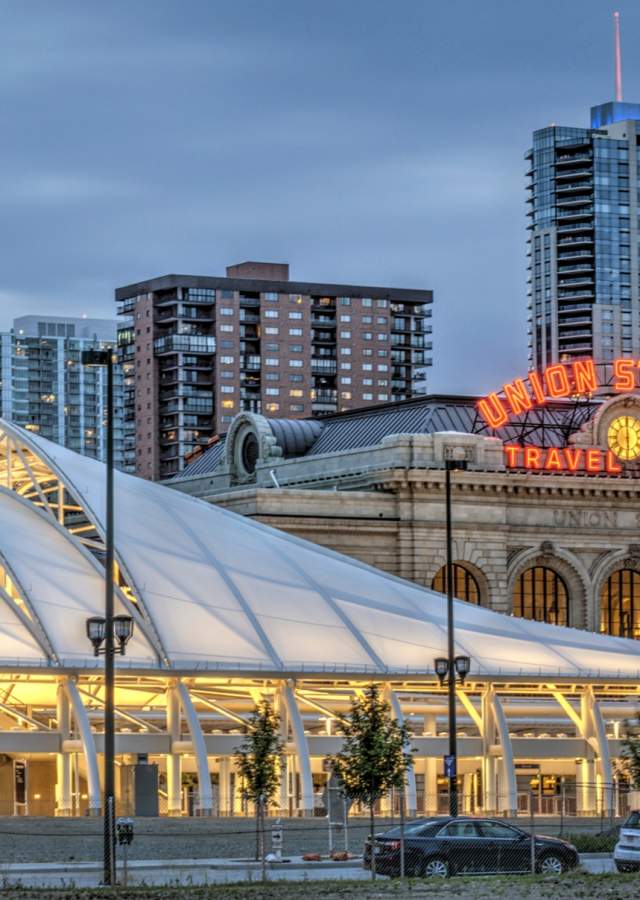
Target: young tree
630, 753
375, 755
259, 760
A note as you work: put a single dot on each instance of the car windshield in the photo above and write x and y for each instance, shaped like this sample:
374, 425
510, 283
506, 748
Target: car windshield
414, 828
633, 821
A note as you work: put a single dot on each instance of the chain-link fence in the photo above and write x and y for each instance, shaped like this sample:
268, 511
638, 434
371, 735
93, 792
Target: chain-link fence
535, 831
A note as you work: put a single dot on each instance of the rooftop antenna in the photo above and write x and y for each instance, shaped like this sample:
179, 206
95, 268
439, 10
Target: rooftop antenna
618, 56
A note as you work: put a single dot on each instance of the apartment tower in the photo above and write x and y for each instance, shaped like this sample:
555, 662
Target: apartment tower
198, 350
583, 271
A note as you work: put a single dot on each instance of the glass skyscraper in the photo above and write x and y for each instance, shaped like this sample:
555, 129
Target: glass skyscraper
583, 281
45, 388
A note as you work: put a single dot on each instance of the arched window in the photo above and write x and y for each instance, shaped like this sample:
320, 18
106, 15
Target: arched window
465, 586
541, 594
620, 604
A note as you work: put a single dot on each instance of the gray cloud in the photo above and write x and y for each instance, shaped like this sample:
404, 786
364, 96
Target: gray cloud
360, 141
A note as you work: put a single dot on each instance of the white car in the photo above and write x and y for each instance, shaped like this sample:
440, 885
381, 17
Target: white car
626, 854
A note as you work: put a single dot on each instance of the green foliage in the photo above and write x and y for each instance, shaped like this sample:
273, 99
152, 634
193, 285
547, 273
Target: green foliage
374, 757
630, 752
259, 757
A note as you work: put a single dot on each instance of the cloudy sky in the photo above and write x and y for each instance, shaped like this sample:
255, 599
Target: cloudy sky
359, 140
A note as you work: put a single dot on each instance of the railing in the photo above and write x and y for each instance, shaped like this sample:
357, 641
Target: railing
185, 343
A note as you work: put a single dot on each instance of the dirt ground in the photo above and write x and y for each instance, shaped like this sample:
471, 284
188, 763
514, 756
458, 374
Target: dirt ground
567, 887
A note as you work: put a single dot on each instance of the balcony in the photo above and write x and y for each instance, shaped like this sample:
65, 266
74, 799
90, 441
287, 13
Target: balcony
574, 173
185, 343
323, 321
573, 282
575, 229
578, 295
567, 159
569, 187
582, 212
575, 320
250, 363
324, 366
325, 396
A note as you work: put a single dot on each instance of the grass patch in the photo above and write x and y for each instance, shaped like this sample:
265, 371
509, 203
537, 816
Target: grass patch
571, 886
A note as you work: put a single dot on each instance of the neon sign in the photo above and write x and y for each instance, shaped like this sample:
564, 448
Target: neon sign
578, 378
590, 460
560, 380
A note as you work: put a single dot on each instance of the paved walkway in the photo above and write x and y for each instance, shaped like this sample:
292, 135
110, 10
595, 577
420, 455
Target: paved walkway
209, 871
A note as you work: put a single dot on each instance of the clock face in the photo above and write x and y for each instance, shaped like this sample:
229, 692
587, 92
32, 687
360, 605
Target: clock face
624, 437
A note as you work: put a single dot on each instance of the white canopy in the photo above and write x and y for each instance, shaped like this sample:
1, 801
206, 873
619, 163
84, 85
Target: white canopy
222, 592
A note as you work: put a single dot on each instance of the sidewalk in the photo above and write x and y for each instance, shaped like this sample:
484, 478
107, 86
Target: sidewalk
204, 871
167, 871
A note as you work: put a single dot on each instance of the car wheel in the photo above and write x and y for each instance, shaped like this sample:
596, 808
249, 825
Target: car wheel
550, 864
625, 867
435, 868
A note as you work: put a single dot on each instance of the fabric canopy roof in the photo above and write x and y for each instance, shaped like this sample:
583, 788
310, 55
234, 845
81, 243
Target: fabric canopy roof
217, 591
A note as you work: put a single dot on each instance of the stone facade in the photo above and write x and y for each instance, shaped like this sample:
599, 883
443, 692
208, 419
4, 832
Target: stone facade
385, 505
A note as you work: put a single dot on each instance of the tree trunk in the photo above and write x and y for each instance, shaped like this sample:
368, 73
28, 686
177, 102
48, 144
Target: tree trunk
257, 812
373, 855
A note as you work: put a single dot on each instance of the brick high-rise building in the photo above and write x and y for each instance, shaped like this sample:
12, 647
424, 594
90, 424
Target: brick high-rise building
197, 350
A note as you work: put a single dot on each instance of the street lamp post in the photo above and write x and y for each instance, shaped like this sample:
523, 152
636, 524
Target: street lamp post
101, 631
452, 665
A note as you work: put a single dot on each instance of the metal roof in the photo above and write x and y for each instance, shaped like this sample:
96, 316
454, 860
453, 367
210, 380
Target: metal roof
547, 426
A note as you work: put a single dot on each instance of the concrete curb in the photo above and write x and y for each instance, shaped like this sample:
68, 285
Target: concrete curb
17, 869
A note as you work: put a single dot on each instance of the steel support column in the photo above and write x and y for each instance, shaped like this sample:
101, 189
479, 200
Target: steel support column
410, 793
205, 805
302, 749
88, 746
64, 805
174, 760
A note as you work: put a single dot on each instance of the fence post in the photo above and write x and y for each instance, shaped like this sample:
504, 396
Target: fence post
532, 824
561, 805
401, 834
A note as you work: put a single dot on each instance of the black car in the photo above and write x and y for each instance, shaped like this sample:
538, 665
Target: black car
467, 846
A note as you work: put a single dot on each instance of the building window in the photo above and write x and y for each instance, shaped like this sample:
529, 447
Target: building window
345, 318
269, 295
345, 335
271, 329
367, 301
541, 594
465, 586
295, 363
367, 396
271, 313
273, 407
272, 392
296, 392
226, 311
225, 328
620, 604
295, 315
345, 301
295, 332
345, 351
272, 361
227, 360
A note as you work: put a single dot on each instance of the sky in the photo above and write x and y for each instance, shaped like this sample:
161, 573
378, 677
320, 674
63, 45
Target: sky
361, 141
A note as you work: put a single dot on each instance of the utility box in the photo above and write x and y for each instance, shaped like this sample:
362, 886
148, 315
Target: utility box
139, 789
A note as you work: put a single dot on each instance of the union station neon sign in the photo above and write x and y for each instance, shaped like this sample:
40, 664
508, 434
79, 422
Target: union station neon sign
576, 379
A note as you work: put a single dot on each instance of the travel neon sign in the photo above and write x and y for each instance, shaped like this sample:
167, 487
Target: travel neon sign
578, 378
560, 380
